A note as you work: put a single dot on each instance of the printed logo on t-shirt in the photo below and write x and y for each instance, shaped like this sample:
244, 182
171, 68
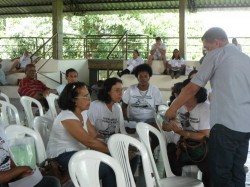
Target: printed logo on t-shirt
4, 157
141, 103
111, 126
186, 121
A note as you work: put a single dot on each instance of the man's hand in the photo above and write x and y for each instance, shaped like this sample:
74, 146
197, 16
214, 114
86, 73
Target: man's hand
170, 114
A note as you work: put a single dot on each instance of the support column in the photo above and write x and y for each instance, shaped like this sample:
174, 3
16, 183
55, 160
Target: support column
57, 17
182, 27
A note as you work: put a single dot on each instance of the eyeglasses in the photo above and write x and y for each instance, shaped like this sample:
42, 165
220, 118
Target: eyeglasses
83, 97
117, 90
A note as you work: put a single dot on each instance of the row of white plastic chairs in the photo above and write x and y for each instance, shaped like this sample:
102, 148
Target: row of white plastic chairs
10, 115
84, 165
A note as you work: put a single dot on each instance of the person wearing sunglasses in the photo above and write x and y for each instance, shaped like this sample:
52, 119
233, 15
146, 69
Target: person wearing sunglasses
72, 131
193, 123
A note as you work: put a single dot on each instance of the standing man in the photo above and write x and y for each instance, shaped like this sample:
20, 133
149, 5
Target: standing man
228, 70
158, 52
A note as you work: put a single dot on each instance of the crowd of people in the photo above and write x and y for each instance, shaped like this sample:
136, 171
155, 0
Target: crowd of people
221, 115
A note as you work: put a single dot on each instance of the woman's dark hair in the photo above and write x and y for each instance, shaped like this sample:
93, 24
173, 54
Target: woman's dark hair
201, 95
176, 89
103, 94
191, 73
141, 68
173, 57
137, 52
66, 100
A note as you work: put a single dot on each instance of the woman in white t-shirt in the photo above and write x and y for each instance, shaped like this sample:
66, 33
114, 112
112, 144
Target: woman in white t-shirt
194, 124
176, 64
72, 131
140, 101
132, 63
104, 113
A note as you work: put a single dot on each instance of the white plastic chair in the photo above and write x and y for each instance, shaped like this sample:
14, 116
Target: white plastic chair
122, 127
84, 168
27, 102
9, 114
18, 131
43, 126
143, 130
5, 97
51, 102
118, 145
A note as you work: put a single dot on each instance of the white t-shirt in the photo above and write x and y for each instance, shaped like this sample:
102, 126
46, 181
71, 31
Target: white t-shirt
105, 121
141, 106
198, 117
4, 152
132, 63
176, 63
197, 120
60, 88
157, 52
24, 60
60, 140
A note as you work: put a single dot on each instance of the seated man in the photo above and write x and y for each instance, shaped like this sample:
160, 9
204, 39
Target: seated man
31, 87
71, 76
20, 64
158, 52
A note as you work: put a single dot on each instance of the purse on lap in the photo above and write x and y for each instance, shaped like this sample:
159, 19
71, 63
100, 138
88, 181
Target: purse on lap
189, 150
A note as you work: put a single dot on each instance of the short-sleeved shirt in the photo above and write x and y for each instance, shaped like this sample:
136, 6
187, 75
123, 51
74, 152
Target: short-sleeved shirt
60, 139
228, 71
132, 63
106, 122
5, 161
176, 63
195, 121
142, 107
29, 87
157, 52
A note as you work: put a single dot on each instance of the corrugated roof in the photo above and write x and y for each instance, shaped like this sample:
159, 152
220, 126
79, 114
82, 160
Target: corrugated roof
18, 8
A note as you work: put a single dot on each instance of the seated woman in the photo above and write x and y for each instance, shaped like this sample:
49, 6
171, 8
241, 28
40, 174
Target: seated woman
104, 113
72, 131
140, 101
176, 64
194, 124
176, 89
9, 172
132, 63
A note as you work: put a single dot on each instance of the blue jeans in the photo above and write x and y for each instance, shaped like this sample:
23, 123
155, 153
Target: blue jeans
227, 156
106, 173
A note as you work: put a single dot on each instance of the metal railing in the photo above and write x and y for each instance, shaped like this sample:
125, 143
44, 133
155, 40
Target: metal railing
99, 46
